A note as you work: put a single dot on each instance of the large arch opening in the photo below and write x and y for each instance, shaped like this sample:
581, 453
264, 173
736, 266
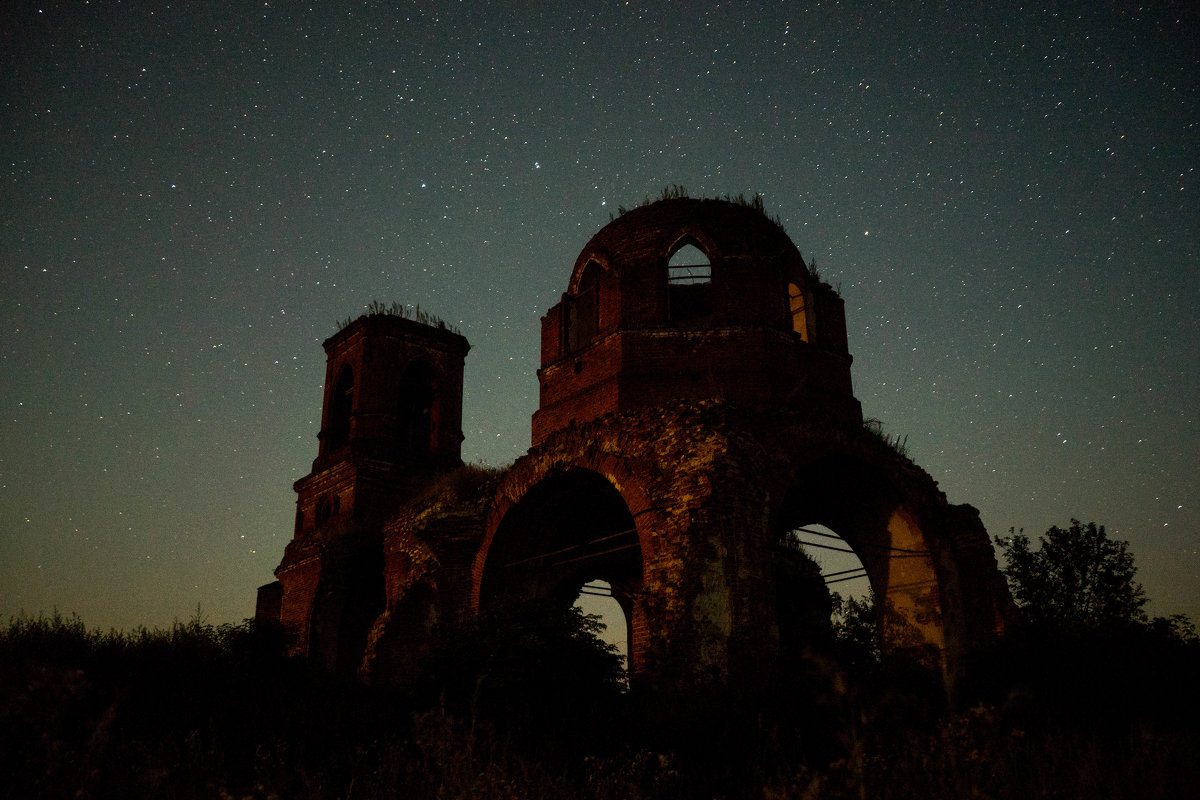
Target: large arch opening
570, 540
851, 524
841, 568
826, 602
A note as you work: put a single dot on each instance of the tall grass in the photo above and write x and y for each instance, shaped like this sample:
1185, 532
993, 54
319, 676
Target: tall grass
219, 711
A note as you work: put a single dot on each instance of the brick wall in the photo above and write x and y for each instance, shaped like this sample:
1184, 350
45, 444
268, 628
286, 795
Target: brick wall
693, 444
744, 350
300, 582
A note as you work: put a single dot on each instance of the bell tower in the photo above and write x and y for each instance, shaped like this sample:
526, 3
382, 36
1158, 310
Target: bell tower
391, 418
391, 422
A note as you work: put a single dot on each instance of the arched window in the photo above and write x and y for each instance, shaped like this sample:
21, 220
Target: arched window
417, 411
328, 508
689, 282
799, 310
689, 266
341, 404
584, 310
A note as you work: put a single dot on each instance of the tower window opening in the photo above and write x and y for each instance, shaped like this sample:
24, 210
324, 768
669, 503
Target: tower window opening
689, 267
417, 412
583, 319
798, 310
689, 284
341, 404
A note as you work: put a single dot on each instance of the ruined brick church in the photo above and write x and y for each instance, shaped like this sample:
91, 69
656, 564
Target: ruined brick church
695, 409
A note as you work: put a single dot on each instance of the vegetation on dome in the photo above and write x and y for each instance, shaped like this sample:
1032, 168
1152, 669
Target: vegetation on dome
677, 192
755, 203
414, 313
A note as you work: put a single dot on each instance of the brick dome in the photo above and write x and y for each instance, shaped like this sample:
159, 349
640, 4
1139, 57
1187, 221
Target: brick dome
641, 239
688, 299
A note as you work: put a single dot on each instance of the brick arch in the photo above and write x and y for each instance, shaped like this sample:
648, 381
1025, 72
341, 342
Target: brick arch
702, 434
608, 454
696, 237
583, 263
908, 538
862, 507
533, 470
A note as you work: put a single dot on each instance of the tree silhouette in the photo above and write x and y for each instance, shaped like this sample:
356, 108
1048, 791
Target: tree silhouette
1078, 580
856, 630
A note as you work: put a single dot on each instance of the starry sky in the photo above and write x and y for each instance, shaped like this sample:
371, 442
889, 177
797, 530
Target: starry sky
194, 194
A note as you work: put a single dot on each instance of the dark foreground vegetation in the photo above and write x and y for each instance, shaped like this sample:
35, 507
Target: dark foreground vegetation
533, 707
1089, 698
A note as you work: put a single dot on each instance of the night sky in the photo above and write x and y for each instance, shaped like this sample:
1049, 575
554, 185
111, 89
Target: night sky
194, 195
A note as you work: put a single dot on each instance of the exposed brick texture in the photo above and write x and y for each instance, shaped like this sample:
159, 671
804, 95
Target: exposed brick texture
642, 352
685, 426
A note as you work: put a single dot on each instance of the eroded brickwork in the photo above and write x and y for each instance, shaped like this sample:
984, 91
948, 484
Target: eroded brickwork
690, 418
739, 344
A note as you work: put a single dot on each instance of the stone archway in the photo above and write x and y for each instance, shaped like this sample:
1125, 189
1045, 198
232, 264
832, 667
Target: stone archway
869, 511
560, 529
669, 453
929, 562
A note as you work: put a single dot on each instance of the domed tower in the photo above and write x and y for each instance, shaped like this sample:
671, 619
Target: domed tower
686, 300
696, 416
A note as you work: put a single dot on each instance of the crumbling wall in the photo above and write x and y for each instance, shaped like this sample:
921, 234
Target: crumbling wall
672, 453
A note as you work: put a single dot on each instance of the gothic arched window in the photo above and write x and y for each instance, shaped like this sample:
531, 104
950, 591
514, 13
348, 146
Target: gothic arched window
341, 404
799, 310
417, 411
689, 266
583, 319
689, 282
